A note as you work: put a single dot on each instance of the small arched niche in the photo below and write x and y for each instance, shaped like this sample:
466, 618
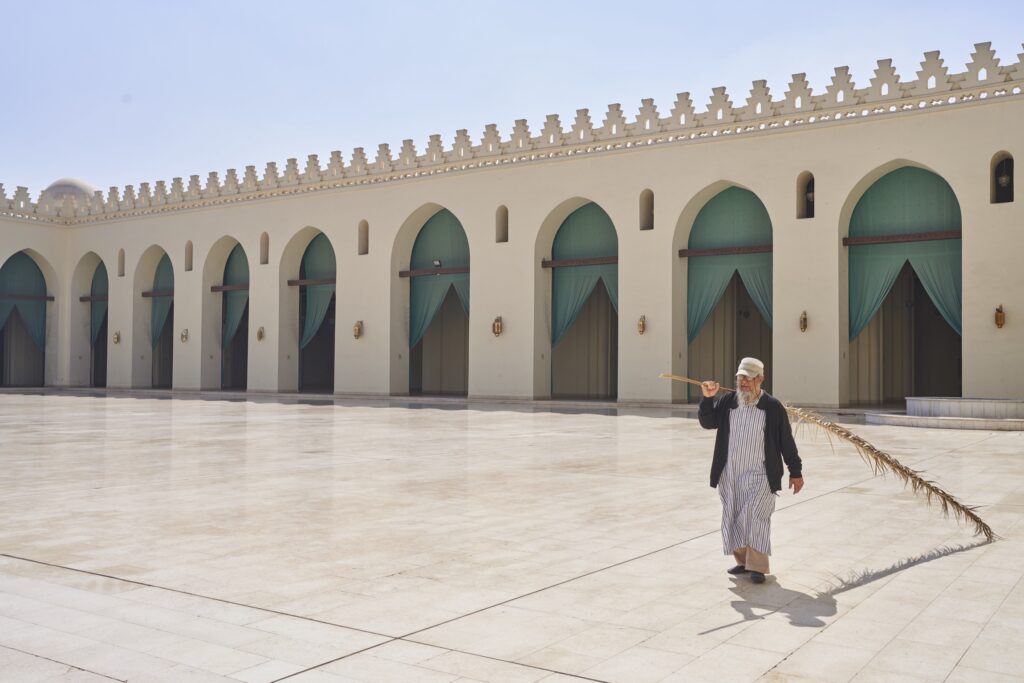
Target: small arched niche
188, 255
364, 238
1001, 178
647, 210
501, 224
805, 195
264, 249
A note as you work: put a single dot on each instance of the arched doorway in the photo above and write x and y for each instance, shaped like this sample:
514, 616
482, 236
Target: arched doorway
162, 323
439, 308
584, 306
98, 305
729, 287
235, 321
317, 281
905, 289
23, 300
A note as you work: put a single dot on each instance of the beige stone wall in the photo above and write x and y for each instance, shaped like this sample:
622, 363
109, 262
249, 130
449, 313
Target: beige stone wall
957, 142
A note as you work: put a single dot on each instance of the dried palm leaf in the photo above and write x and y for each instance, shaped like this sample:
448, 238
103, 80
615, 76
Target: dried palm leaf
883, 463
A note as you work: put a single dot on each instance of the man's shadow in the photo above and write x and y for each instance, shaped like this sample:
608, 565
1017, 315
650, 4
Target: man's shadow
808, 610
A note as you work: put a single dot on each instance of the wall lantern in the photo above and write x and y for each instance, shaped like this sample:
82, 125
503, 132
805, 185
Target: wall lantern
641, 324
1000, 316
1003, 179
437, 263
117, 337
184, 335
357, 329
810, 195
497, 326
803, 321
260, 334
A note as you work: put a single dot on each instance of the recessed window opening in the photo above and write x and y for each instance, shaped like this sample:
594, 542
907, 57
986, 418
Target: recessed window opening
799, 102
188, 255
1001, 178
718, 115
120, 262
982, 74
647, 210
840, 96
931, 82
264, 249
501, 224
615, 129
805, 195
759, 108
364, 238
885, 89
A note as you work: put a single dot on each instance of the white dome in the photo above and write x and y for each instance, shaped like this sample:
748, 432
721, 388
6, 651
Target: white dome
64, 187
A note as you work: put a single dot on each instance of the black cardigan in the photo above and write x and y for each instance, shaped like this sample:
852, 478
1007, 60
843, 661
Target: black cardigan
778, 436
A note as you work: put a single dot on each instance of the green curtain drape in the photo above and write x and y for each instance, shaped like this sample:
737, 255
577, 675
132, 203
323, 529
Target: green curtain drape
21, 276
162, 281
907, 200
318, 262
236, 272
98, 309
443, 239
588, 232
733, 218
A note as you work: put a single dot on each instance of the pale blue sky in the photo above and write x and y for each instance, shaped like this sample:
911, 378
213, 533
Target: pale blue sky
118, 93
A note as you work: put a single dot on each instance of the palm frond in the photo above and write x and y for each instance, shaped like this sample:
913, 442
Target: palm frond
884, 463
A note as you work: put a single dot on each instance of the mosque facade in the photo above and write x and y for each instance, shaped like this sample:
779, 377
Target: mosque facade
864, 241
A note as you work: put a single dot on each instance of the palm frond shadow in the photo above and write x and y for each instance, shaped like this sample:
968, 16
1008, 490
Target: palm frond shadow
807, 610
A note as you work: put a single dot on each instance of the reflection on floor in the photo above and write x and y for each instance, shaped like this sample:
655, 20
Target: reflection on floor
352, 540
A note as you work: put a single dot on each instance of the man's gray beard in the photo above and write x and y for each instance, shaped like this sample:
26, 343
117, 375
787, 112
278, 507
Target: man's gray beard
748, 397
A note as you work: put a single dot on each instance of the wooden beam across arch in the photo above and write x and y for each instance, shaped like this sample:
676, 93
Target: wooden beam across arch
570, 262
725, 251
230, 288
26, 297
906, 237
316, 281
157, 293
423, 272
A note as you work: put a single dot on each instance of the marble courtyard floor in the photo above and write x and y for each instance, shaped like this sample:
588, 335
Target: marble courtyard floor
146, 539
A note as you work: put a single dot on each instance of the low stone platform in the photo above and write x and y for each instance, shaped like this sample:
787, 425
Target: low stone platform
999, 414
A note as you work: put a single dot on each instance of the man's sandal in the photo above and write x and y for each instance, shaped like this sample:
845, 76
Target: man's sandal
738, 569
757, 577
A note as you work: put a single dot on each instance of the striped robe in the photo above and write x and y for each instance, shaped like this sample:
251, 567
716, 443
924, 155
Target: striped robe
747, 499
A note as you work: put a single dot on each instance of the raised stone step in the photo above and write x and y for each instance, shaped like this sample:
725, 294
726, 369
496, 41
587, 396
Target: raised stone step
932, 422
984, 408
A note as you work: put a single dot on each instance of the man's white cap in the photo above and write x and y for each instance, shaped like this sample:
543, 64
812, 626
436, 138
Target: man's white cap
750, 367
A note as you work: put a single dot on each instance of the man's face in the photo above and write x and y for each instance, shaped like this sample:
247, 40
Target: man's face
749, 385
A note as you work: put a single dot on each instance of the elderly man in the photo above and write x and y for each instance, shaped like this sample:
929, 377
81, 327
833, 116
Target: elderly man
754, 437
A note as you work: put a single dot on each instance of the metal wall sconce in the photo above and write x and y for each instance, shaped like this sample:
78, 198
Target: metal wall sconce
184, 335
1000, 316
260, 334
641, 324
803, 321
357, 329
117, 337
497, 326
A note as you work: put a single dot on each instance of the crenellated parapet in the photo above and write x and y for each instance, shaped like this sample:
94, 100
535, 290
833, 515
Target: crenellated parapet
841, 101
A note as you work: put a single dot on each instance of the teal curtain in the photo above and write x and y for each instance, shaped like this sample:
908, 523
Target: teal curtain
98, 309
21, 276
162, 281
588, 232
317, 263
733, 218
236, 272
440, 239
907, 200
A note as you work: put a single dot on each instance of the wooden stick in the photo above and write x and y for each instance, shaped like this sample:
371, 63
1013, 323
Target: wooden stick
680, 378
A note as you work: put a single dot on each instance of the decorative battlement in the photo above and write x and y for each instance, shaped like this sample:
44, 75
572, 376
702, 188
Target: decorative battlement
841, 101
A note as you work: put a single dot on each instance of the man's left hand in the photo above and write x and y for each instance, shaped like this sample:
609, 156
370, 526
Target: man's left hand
796, 483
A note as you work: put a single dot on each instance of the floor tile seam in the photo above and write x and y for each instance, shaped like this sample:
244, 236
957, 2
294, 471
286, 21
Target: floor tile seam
57, 661
198, 595
419, 664
503, 660
982, 629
